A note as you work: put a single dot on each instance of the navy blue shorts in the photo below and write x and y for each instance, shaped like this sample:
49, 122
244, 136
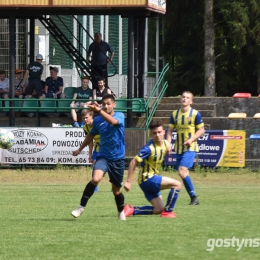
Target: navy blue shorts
151, 187
115, 169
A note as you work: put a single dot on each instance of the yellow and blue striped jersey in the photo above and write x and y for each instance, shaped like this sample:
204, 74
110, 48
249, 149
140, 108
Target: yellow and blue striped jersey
186, 124
151, 157
96, 145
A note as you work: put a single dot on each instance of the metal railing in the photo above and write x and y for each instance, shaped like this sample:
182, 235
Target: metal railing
153, 101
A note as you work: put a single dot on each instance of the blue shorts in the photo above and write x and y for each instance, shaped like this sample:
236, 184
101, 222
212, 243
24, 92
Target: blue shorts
115, 169
151, 187
186, 159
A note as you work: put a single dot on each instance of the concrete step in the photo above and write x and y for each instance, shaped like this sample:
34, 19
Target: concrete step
204, 113
197, 106
211, 123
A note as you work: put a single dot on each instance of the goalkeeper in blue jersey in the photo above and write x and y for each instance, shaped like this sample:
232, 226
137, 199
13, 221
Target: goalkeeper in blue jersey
151, 157
189, 126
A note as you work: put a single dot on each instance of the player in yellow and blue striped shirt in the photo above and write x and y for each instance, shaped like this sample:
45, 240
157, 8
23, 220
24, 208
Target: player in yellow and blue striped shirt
189, 126
151, 157
87, 117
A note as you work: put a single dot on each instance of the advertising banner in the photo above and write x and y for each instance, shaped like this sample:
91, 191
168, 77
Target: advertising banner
45, 146
224, 148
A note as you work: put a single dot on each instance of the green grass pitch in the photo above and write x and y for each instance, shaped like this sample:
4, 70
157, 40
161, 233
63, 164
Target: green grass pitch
36, 221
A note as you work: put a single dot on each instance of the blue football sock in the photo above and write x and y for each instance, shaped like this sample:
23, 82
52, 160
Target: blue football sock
144, 210
172, 198
189, 186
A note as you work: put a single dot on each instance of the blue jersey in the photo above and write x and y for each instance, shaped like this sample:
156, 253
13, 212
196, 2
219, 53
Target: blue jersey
112, 137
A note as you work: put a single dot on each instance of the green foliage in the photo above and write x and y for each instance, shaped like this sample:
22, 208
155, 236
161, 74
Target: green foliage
183, 46
237, 49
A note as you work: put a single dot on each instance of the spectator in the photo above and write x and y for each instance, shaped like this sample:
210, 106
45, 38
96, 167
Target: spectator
54, 86
19, 91
99, 59
81, 93
18, 84
34, 95
34, 72
4, 85
101, 91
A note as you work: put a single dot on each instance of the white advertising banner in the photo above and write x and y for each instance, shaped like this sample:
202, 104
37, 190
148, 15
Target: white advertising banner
45, 146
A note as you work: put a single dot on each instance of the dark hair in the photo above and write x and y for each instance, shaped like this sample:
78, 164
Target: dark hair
98, 33
155, 124
2, 72
87, 112
101, 79
85, 77
107, 96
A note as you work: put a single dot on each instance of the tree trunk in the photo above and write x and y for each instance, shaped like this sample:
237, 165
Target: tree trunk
209, 54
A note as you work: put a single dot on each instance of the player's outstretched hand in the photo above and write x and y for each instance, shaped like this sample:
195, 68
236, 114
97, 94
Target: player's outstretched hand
127, 186
75, 153
94, 107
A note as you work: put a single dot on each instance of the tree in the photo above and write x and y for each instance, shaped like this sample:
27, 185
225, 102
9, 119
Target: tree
209, 54
236, 44
183, 47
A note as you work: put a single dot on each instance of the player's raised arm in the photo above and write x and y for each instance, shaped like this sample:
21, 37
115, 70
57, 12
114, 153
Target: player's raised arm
87, 141
107, 110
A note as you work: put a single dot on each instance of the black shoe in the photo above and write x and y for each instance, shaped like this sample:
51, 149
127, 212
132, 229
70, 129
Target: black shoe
194, 201
62, 115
